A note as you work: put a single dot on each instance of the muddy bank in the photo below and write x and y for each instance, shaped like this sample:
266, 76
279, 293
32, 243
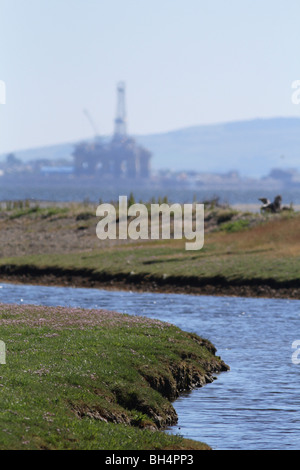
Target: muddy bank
219, 286
180, 377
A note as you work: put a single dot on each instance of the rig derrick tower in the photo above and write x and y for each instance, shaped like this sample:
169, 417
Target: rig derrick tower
120, 121
121, 157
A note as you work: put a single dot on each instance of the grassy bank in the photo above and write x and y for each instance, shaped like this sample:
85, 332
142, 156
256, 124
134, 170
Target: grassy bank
244, 254
91, 379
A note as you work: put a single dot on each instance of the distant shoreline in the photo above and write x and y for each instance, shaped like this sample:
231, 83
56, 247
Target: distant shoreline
256, 288
247, 207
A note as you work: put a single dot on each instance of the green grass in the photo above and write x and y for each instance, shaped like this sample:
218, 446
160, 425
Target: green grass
224, 255
235, 226
243, 249
68, 370
38, 211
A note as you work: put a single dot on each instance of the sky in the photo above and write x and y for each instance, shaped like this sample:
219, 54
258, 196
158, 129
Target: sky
184, 62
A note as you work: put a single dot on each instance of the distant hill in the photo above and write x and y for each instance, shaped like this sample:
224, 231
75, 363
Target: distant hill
51, 152
251, 147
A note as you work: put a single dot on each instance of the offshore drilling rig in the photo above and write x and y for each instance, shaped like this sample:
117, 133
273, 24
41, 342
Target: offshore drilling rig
120, 158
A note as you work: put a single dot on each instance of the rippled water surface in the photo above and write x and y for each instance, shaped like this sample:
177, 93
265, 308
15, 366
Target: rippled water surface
256, 405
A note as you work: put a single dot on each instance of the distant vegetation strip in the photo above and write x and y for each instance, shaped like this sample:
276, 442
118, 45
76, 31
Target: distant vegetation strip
247, 253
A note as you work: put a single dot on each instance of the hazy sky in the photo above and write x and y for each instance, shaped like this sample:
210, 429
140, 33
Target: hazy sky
185, 62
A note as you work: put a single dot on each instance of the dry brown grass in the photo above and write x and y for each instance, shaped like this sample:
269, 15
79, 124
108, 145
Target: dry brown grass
276, 237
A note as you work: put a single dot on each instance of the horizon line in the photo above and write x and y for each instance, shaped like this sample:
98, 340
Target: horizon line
218, 123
